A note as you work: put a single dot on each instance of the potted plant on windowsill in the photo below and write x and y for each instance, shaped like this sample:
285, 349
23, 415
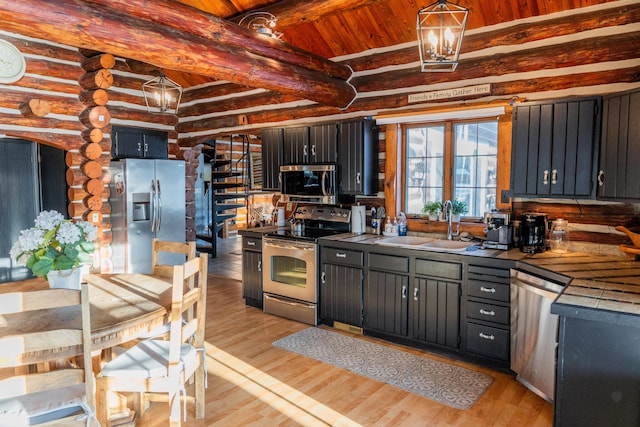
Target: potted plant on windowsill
458, 207
56, 247
432, 209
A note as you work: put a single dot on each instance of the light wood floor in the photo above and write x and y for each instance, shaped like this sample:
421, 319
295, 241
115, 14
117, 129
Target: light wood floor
252, 383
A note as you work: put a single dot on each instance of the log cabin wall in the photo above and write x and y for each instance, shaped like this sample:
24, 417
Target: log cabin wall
68, 100
581, 52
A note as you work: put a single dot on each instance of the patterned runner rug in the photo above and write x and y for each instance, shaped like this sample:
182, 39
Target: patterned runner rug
448, 384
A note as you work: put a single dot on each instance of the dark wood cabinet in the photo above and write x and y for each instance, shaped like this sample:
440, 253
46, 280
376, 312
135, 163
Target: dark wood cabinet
428, 310
554, 148
487, 309
619, 174
341, 283
358, 158
272, 140
252, 270
309, 145
598, 369
139, 143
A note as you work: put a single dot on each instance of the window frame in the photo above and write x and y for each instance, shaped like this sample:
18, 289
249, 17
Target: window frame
448, 157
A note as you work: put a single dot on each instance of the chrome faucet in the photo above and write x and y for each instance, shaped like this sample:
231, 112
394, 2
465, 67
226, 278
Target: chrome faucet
448, 208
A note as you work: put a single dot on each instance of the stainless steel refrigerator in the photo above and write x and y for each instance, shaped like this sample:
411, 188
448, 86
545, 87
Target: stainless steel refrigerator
147, 200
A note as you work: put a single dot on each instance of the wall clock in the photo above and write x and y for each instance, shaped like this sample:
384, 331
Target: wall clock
12, 63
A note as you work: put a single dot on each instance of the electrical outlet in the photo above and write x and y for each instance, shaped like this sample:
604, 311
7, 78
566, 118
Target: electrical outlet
505, 196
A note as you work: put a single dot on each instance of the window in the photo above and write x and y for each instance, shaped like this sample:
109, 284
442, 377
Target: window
452, 160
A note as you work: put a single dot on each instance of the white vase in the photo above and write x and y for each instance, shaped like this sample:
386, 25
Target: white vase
67, 279
455, 217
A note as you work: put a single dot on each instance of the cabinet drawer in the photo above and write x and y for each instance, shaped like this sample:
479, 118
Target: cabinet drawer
488, 312
342, 256
488, 341
500, 275
252, 243
389, 263
489, 290
446, 270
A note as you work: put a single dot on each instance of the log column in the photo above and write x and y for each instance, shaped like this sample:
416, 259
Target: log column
191, 159
88, 174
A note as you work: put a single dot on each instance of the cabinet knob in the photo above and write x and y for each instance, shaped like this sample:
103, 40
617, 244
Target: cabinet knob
404, 291
341, 255
358, 178
545, 177
487, 312
260, 265
600, 178
554, 176
323, 278
415, 294
488, 290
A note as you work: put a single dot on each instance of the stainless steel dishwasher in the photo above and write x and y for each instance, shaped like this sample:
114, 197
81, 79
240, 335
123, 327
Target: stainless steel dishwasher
534, 332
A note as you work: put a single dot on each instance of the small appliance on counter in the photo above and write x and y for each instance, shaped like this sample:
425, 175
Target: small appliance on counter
499, 230
533, 233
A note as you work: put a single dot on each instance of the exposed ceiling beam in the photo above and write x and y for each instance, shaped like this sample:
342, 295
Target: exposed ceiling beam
92, 26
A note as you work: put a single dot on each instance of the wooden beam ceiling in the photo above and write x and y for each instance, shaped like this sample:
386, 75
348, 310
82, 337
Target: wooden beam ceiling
212, 47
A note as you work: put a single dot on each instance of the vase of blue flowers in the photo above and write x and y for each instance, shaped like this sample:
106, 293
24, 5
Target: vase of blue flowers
56, 247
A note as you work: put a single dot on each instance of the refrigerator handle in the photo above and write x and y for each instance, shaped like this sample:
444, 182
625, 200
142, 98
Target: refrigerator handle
159, 211
153, 206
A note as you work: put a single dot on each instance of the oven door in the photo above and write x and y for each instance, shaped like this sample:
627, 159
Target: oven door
290, 269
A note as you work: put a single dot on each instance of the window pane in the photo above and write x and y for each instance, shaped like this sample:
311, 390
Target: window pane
476, 150
424, 166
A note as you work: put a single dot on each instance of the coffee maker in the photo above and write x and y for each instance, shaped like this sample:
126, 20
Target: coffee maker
499, 230
533, 233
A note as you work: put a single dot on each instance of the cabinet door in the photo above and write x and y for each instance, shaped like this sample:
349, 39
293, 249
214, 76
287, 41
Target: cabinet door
271, 159
323, 143
127, 143
435, 311
619, 175
252, 276
554, 148
341, 294
295, 146
358, 158
385, 302
156, 145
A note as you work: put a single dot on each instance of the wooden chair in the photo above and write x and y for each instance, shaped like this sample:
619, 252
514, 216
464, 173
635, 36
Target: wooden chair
164, 246
160, 366
30, 393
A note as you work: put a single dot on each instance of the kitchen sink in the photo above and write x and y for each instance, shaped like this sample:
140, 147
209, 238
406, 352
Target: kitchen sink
446, 245
424, 243
409, 241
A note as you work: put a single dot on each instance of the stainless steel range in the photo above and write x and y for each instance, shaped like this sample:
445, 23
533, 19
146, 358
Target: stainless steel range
291, 262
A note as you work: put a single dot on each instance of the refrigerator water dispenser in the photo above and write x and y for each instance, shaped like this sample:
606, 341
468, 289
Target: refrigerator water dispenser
141, 206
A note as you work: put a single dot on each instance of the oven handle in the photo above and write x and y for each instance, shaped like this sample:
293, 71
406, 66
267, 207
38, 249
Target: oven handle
286, 245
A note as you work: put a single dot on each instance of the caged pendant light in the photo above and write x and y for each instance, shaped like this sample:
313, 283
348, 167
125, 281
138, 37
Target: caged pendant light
163, 94
440, 28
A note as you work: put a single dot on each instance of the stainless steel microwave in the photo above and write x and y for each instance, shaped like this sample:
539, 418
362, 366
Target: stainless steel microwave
309, 183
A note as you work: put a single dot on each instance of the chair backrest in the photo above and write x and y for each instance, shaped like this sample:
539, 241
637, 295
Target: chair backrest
159, 246
45, 326
188, 307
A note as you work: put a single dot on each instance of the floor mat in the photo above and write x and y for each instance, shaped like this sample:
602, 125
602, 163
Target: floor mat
448, 384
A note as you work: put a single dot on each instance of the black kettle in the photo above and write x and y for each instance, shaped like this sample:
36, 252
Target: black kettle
533, 233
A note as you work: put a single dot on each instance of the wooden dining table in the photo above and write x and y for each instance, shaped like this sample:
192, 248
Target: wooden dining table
123, 307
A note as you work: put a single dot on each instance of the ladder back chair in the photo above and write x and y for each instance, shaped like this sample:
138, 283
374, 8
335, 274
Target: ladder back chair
160, 366
43, 382
165, 246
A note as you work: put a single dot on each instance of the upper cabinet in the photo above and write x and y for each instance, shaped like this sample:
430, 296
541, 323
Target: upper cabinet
271, 159
554, 148
358, 158
315, 144
138, 143
619, 174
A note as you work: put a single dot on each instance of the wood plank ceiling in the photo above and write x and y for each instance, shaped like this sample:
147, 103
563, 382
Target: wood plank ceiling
335, 28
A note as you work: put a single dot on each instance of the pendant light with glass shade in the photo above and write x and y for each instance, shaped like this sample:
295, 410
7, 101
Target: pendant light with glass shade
440, 28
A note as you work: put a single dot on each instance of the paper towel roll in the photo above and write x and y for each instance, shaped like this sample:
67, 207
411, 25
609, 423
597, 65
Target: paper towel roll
281, 218
358, 219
